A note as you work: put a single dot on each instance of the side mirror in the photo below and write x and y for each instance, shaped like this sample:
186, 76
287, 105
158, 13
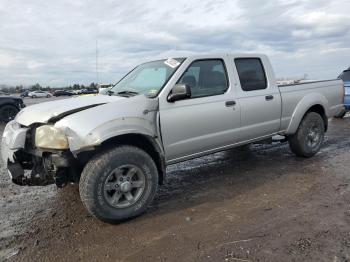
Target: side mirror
179, 92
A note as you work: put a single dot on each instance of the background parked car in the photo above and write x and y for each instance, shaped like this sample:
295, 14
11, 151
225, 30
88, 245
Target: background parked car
2, 93
9, 107
76, 92
345, 76
103, 91
62, 93
36, 94
25, 93
89, 91
103, 88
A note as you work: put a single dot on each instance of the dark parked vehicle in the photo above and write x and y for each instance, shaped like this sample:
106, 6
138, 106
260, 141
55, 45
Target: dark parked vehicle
62, 93
9, 107
25, 93
89, 91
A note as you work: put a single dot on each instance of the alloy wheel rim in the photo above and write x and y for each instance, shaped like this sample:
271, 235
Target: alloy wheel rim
124, 186
313, 137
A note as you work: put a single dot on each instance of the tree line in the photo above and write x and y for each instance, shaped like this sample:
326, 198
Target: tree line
37, 86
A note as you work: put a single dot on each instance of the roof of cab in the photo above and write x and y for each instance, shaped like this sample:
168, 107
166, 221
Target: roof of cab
225, 54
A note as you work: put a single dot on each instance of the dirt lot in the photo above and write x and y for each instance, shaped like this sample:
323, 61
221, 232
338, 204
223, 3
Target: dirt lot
255, 204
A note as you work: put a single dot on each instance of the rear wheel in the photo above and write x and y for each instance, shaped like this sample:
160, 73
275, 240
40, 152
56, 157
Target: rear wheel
119, 183
308, 139
8, 113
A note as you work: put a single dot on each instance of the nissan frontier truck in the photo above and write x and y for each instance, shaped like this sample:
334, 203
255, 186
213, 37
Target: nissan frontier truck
163, 112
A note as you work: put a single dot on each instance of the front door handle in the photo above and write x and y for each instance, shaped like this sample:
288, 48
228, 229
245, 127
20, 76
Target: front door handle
269, 97
230, 103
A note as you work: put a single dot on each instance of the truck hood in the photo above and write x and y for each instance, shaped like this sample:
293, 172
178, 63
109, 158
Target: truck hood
55, 110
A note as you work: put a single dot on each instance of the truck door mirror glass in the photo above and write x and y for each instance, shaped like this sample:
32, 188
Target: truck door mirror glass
179, 92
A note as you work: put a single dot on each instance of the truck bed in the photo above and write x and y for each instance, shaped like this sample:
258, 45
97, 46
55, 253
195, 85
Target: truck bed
297, 95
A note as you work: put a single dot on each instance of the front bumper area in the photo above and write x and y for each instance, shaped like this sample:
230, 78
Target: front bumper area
33, 167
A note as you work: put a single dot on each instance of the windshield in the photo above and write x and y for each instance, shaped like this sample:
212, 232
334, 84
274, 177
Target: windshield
345, 76
148, 78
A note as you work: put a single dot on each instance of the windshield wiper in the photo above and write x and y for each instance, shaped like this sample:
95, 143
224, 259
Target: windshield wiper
127, 93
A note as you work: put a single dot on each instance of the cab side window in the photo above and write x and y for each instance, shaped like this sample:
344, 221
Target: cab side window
206, 78
251, 74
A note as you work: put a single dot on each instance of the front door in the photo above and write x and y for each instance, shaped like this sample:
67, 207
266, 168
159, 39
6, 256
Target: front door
210, 119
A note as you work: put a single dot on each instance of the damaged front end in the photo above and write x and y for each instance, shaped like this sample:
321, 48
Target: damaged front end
52, 142
31, 166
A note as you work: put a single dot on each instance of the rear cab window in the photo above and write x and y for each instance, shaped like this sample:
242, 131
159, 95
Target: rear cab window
251, 74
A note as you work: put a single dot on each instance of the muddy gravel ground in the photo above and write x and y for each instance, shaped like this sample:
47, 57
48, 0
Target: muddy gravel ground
259, 203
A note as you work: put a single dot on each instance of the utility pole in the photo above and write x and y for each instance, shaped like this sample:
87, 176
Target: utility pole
97, 76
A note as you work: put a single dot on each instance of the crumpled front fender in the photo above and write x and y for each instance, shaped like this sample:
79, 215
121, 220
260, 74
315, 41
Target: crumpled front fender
117, 127
91, 127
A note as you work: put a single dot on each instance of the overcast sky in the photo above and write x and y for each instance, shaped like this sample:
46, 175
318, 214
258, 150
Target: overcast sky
53, 42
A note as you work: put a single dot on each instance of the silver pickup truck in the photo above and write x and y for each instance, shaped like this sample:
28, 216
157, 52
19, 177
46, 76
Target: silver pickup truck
117, 146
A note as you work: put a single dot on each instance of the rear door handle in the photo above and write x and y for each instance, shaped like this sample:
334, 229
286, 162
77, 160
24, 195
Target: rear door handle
230, 103
269, 97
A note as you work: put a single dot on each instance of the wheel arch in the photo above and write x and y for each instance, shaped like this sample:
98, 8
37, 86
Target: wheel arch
145, 142
10, 104
310, 103
321, 111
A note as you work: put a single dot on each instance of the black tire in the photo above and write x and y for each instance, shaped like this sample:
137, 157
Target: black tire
341, 115
95, 190
34, 96
307, 140
8, 113
48, 96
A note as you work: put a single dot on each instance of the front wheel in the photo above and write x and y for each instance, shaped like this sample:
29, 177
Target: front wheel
307, 140
119, 183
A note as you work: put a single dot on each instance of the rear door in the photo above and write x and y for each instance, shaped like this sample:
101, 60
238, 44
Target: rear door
259, 99
208, 120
